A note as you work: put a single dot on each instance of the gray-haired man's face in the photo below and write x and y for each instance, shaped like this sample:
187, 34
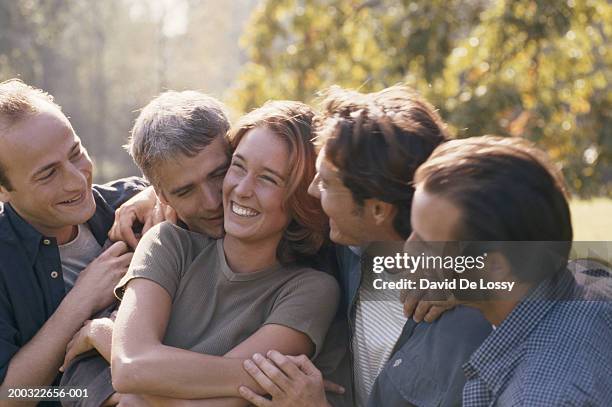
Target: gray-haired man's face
192, 186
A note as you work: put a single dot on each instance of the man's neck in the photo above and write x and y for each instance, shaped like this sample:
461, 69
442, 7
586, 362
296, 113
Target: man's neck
497, 310
62, 234
380, 235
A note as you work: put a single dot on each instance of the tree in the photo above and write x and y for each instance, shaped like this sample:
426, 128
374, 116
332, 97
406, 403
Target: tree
532, 68
104, 60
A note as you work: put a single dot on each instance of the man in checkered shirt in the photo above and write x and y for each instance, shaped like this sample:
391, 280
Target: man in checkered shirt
552, 343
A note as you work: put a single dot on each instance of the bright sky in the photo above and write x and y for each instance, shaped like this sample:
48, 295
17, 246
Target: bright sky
172, 13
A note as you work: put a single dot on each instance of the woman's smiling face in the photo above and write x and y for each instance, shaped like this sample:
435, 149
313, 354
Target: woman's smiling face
255, 187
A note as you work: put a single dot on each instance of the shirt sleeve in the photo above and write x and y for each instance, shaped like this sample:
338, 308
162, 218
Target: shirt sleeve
8, 335
89, 371
159, 257
307, 304
117, 192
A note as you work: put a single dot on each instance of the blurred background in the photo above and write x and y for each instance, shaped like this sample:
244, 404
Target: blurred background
540, 69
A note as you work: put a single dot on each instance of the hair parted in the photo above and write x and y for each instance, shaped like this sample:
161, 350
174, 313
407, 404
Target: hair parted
173, 124
507, 190
292, 123
17, 102
377, 141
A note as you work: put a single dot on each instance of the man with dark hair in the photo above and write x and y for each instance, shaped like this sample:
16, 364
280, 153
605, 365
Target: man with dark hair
551, 346
372, 145
54, 270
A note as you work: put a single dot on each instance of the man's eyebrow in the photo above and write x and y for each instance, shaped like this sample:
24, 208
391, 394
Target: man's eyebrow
45, 168
75, 146
180, 189
221, 168
53, 164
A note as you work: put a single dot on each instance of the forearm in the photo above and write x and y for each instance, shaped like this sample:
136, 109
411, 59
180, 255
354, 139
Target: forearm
37, 363
101, 338
178, 373
157, 401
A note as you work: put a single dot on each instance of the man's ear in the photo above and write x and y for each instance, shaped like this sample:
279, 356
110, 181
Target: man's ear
382, 212
498, 267
160, 195
5, 195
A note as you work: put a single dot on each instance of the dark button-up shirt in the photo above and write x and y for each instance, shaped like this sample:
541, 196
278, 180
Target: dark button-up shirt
555, 348
425, 367
31, 282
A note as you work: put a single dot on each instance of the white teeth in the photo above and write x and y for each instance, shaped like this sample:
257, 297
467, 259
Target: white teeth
72, 200
243, 210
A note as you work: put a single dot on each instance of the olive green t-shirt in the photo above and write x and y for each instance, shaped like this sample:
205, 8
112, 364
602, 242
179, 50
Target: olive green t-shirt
215, 309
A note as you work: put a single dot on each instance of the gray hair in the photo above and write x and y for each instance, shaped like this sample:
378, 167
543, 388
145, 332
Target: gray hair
172, 124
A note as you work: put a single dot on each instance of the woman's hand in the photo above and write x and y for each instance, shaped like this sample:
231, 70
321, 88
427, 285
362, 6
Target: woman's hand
291, 381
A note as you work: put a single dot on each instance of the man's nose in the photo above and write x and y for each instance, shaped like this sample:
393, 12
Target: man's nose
211, 197
73, 179
313, 188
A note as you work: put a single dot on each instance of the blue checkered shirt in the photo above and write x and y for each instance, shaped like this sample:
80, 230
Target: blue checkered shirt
555, 348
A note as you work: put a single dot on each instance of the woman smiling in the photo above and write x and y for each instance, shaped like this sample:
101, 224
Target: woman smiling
194, 308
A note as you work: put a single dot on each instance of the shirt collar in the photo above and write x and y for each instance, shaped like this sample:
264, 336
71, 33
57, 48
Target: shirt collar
29, 237
494, 361
356, 250
103, 218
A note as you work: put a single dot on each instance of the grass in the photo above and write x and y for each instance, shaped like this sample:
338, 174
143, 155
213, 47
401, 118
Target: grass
592, 219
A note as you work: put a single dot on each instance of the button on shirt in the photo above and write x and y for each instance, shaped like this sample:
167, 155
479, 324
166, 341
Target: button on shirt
425, 364
555, 348
31, 283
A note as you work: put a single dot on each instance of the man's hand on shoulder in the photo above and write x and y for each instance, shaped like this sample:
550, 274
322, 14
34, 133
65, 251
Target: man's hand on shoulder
420, 309
95, 284
144, 209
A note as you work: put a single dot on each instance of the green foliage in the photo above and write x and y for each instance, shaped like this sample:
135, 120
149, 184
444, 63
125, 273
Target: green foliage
533, 68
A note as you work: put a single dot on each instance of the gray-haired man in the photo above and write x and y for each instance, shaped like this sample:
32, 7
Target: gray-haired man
179, 143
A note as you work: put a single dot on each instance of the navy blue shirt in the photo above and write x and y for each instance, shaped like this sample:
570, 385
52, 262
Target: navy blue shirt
31, 282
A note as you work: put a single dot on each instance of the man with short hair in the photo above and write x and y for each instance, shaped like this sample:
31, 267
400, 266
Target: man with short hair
55, 272
372, 145
179, 141
552, 344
